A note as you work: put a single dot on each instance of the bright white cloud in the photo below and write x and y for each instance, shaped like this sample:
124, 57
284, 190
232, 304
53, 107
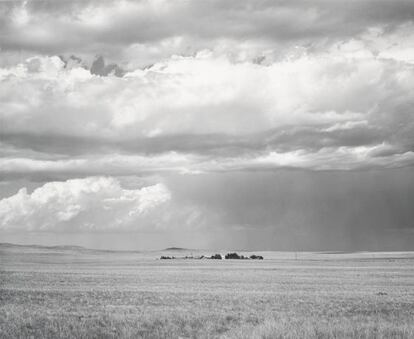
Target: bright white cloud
333, 94
90, 204
202, 94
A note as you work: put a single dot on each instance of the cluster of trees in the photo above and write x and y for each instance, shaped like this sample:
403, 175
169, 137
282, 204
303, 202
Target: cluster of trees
233, 255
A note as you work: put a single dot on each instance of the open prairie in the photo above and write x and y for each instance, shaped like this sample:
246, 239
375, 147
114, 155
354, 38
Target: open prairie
73, 292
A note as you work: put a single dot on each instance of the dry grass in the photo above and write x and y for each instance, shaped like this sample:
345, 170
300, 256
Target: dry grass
75, 294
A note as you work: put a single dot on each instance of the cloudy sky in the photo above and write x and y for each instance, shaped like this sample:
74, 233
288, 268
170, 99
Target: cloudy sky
208, 124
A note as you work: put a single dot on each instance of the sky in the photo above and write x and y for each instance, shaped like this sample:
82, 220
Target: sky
256, 125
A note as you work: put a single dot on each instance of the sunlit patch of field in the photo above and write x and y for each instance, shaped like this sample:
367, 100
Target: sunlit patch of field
56, 293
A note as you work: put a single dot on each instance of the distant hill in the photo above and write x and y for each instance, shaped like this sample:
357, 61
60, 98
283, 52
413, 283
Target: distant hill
84, 249
176, 249
56, 247
64, 248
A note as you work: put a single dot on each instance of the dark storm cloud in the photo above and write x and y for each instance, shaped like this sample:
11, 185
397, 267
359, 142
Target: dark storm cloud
286, 139
100, 68
309, 210
91, 26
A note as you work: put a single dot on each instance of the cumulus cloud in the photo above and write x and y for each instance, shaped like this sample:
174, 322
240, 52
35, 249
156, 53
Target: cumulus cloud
89, 204
206, 112
271, 84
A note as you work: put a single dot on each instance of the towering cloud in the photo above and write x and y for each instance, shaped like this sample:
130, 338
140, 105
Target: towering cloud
89, 204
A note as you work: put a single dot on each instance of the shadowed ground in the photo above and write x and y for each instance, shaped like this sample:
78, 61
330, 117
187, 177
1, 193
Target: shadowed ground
73, 292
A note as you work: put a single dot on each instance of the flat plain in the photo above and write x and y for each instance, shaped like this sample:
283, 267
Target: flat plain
70, 292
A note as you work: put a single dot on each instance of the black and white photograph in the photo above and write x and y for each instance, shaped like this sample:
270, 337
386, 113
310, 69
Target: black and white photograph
208, 169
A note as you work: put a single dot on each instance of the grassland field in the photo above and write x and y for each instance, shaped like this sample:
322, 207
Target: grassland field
69, 292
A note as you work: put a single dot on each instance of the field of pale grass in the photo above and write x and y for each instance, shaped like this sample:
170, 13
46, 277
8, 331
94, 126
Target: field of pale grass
77, 293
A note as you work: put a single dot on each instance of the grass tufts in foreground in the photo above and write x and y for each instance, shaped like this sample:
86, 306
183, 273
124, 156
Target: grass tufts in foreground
47, 293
